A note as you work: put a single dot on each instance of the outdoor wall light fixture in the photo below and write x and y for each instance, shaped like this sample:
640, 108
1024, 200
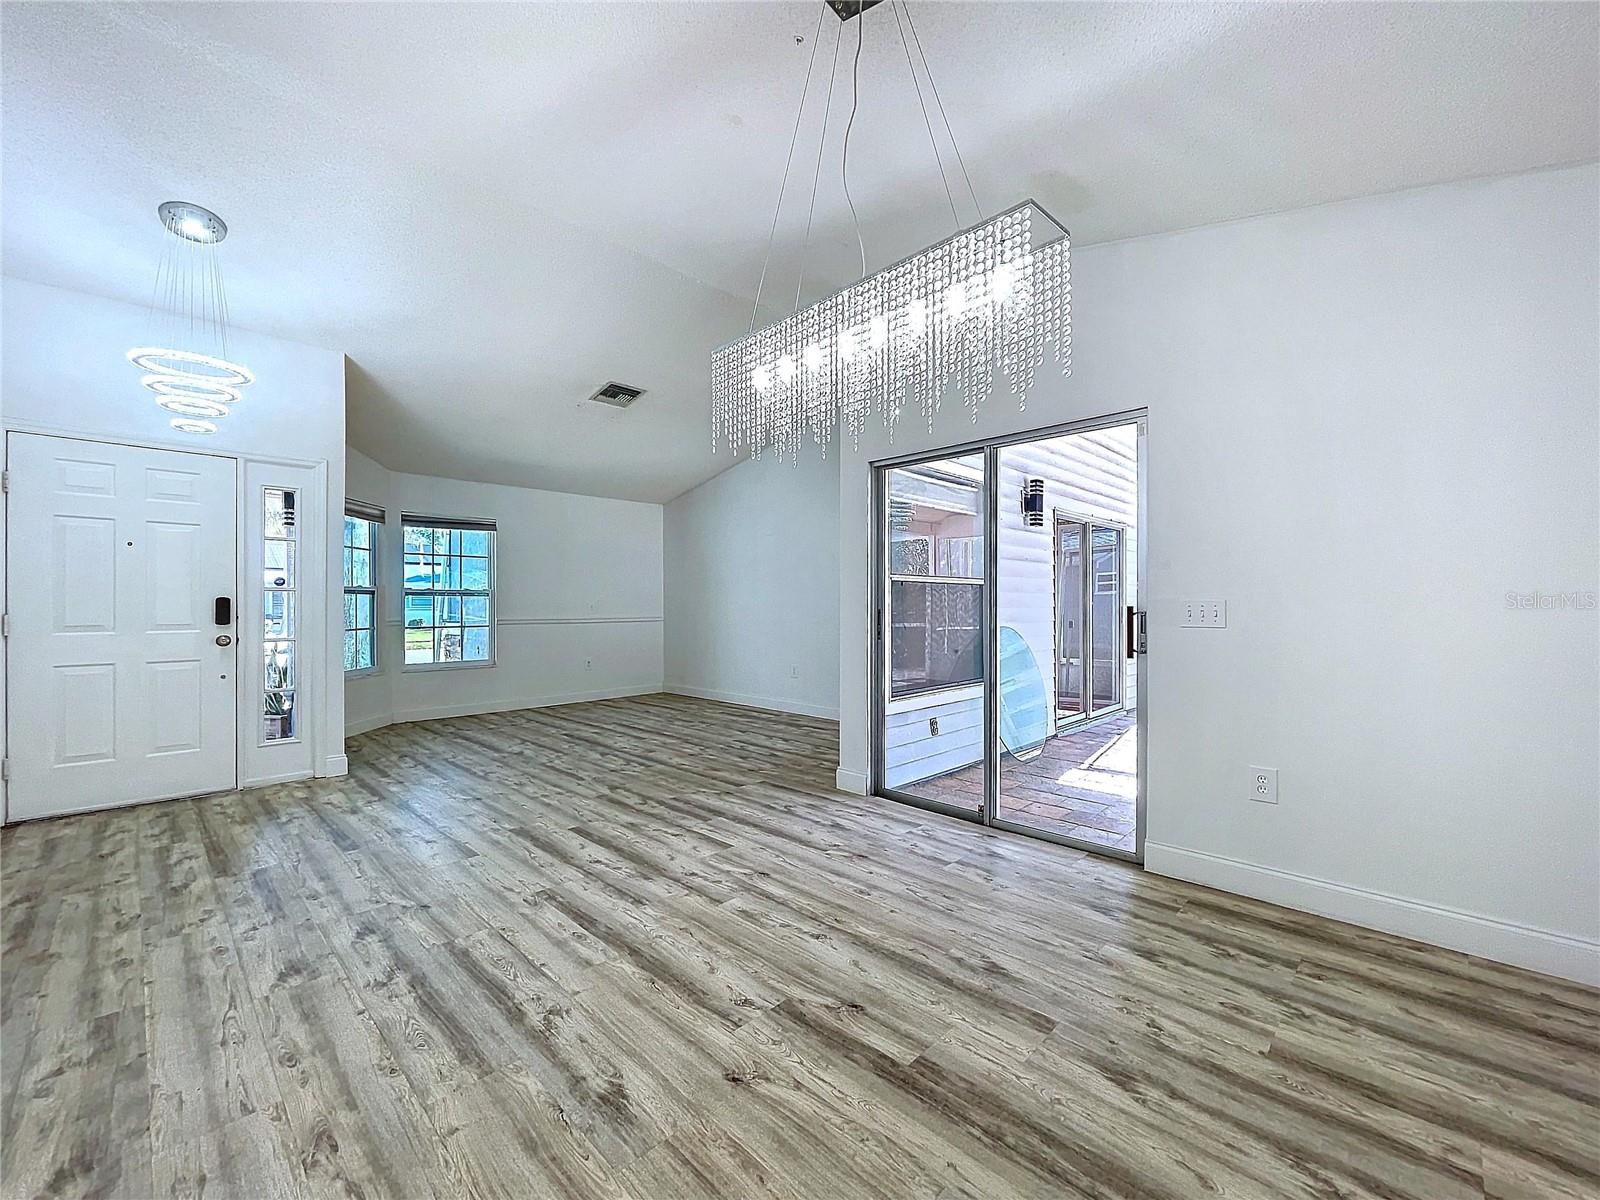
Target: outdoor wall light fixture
1033, 503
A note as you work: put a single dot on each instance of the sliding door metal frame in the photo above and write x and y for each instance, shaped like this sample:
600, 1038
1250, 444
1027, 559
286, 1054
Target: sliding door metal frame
878, 614
878, 690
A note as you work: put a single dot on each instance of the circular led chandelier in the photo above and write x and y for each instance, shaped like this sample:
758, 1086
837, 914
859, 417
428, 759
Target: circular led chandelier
190, 375
992, 298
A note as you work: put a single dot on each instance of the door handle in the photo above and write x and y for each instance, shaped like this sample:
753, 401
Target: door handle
224, 640
222, 610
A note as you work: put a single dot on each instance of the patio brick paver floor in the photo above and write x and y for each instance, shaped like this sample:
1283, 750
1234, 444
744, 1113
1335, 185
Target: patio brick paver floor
1082, 785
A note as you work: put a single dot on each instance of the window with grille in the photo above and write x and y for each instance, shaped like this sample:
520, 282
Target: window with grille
935, 581
363, 527
448, 602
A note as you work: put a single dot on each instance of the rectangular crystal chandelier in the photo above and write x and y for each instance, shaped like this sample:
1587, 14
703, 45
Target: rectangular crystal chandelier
992, 299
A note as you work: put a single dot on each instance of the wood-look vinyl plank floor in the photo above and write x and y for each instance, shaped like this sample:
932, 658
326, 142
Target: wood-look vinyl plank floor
642, 949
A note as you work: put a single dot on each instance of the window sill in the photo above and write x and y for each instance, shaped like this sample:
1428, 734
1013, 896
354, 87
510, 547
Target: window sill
407, 668
363, 673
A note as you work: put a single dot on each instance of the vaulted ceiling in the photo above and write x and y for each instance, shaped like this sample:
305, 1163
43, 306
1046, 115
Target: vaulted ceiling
495, 208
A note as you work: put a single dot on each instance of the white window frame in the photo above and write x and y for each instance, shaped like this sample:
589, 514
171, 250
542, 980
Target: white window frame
464, 524
374, 517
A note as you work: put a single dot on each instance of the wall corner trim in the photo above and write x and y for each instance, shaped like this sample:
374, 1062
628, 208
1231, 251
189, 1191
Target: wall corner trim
854, 782
1534, 949
368, 724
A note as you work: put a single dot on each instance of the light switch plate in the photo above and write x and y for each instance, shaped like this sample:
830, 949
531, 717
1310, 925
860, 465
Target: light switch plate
1204, 614
1264, 785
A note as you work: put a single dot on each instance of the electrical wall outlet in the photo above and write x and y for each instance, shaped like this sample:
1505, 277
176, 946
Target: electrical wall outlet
933, 726
1205, 614
794, 672
1264, 784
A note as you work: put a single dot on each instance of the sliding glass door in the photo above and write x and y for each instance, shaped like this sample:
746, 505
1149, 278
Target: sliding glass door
1005, 665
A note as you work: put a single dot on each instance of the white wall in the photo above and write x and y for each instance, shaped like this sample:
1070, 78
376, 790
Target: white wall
578, 600
752, 560
1369, 423
64, 372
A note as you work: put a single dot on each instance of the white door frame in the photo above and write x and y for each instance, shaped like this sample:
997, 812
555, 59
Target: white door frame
315, 546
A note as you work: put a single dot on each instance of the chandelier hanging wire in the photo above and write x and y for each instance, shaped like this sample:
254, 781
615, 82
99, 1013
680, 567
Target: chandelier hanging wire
187, 366
990, 299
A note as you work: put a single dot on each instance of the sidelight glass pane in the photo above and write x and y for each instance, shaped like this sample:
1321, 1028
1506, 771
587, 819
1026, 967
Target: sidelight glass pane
278, 665
277, 568
278, 614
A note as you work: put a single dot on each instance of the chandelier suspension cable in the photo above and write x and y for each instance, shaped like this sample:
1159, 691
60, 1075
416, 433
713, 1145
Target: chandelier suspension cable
793, 137
932, 141
980, 307
943, 116
844, 158
816, 173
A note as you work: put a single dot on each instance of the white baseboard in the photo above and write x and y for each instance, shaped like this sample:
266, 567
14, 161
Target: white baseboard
334, 767
368, 724
854, 782
745, 700
1525, 946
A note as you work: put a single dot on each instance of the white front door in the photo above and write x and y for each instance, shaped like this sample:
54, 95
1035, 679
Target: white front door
118, 691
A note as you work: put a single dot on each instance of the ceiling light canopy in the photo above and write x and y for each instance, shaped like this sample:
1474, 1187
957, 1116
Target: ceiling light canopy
991, 299
191, 222
187, 368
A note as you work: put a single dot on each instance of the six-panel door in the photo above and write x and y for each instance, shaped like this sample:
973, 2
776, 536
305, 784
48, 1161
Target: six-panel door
119, 689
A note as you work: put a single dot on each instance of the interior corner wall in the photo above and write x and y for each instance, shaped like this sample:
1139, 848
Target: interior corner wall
369, 699
578, 600
752, 574
1373, 431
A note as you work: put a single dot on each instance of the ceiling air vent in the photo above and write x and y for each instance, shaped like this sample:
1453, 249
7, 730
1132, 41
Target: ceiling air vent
618, 395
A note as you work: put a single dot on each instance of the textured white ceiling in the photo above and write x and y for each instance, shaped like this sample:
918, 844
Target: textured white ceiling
493, 209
